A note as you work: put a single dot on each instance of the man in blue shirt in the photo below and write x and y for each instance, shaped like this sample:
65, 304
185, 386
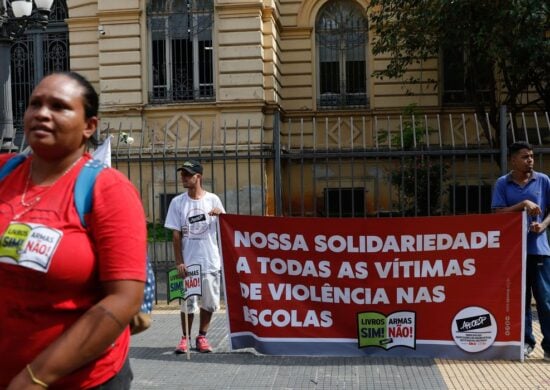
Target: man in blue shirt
524, 189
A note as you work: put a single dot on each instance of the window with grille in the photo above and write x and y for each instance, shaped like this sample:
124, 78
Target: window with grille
345, 202
180, 50
342, 37
458, 86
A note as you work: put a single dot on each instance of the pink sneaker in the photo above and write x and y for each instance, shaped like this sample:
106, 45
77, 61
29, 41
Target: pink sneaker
202, 344
182, 346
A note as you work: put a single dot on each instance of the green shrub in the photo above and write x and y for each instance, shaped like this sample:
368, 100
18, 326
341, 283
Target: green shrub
157, 233
419, 179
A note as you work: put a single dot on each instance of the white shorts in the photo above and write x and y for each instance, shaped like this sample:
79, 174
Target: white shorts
210, 299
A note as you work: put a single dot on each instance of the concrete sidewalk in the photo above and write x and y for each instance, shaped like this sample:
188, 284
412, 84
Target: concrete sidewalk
155, 366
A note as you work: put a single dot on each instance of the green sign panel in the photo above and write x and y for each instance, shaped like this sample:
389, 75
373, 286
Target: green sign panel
372, 329
176, 287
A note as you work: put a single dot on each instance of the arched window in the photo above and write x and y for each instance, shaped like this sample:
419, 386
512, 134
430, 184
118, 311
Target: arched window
459, 87
342, 38
34, 55
180, 50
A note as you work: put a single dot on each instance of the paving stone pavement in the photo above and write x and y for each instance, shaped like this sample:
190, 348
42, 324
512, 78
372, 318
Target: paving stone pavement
155, 366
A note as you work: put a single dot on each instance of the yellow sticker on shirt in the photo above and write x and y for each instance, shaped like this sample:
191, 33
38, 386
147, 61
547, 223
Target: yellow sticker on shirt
29, 245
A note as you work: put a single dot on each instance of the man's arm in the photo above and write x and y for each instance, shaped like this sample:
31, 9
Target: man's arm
217, 209
173, 222
531, 207
539, 227
499, 202
178, 254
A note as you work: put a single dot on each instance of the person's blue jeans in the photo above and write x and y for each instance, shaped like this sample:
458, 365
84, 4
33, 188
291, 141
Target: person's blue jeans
538, 286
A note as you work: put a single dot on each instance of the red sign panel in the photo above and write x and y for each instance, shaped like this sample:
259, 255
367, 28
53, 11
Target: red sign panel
426, 287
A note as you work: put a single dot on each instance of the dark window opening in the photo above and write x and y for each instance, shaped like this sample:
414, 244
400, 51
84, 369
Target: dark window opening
470, 199
457, 87
164, 203
345, 202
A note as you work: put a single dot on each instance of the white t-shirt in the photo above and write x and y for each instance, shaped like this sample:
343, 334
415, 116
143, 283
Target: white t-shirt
198, 229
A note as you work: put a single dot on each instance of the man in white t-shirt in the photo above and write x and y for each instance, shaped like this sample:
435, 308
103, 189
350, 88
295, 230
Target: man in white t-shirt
193, 219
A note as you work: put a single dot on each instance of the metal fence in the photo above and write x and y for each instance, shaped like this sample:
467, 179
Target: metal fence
359, 166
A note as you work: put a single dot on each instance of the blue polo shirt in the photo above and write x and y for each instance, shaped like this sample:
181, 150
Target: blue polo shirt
507, 193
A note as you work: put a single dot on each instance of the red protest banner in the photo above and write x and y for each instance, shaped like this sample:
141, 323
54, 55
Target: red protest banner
429, 287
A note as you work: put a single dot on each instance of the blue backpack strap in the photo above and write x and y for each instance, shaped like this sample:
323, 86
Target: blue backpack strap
84, 188
83, 200
11, 164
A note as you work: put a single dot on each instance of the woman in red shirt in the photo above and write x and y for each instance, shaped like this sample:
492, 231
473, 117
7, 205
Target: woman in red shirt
67, 292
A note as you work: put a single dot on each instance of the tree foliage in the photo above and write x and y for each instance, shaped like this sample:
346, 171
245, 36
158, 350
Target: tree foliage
507, 39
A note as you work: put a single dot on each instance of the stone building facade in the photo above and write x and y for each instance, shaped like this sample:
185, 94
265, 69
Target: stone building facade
261, 56
198, 77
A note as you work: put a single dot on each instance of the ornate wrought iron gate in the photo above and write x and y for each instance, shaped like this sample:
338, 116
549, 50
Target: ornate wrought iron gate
52, 46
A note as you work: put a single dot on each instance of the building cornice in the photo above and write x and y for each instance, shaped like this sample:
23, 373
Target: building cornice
121, 109
120, 15
296, 32
82, 22
238, 9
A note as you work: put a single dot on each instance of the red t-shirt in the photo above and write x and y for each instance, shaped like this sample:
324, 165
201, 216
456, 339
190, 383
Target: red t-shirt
50, 267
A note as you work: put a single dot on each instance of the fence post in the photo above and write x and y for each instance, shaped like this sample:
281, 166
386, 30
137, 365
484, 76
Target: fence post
503, 141
277, 163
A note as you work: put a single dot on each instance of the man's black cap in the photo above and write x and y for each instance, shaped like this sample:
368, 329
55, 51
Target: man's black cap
191, 166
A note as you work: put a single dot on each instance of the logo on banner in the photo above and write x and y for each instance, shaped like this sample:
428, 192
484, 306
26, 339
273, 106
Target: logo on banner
474, 329
29, 245
397, 329
181, 288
